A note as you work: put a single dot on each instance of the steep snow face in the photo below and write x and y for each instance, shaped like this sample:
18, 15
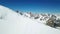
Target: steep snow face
5, 11
14, 23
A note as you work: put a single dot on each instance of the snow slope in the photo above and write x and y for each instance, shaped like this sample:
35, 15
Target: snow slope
14, 23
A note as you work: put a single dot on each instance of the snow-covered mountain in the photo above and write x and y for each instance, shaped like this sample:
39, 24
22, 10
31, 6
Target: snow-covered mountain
14, 23
40, 17
53, 19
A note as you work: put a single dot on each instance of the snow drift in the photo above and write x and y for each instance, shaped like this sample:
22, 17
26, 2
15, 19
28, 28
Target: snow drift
14, 23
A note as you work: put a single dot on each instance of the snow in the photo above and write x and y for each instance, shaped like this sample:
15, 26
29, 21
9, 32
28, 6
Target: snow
14, 23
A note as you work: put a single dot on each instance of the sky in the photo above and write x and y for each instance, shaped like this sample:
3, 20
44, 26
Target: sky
36, 6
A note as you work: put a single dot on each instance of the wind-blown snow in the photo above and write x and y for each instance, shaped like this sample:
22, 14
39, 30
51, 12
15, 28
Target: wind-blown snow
14, 23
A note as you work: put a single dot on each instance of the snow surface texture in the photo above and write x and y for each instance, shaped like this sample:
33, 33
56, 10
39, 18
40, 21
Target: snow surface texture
13, 23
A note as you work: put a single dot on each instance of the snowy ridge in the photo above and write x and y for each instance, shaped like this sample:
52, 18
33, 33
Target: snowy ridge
13, 23
41, 17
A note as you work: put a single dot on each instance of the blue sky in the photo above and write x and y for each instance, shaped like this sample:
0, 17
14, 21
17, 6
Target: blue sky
37, 6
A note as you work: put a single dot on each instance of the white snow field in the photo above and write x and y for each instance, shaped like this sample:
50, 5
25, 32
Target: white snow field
13, 23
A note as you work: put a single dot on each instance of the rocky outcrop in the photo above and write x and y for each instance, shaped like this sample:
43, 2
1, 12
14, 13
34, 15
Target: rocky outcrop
51, 21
